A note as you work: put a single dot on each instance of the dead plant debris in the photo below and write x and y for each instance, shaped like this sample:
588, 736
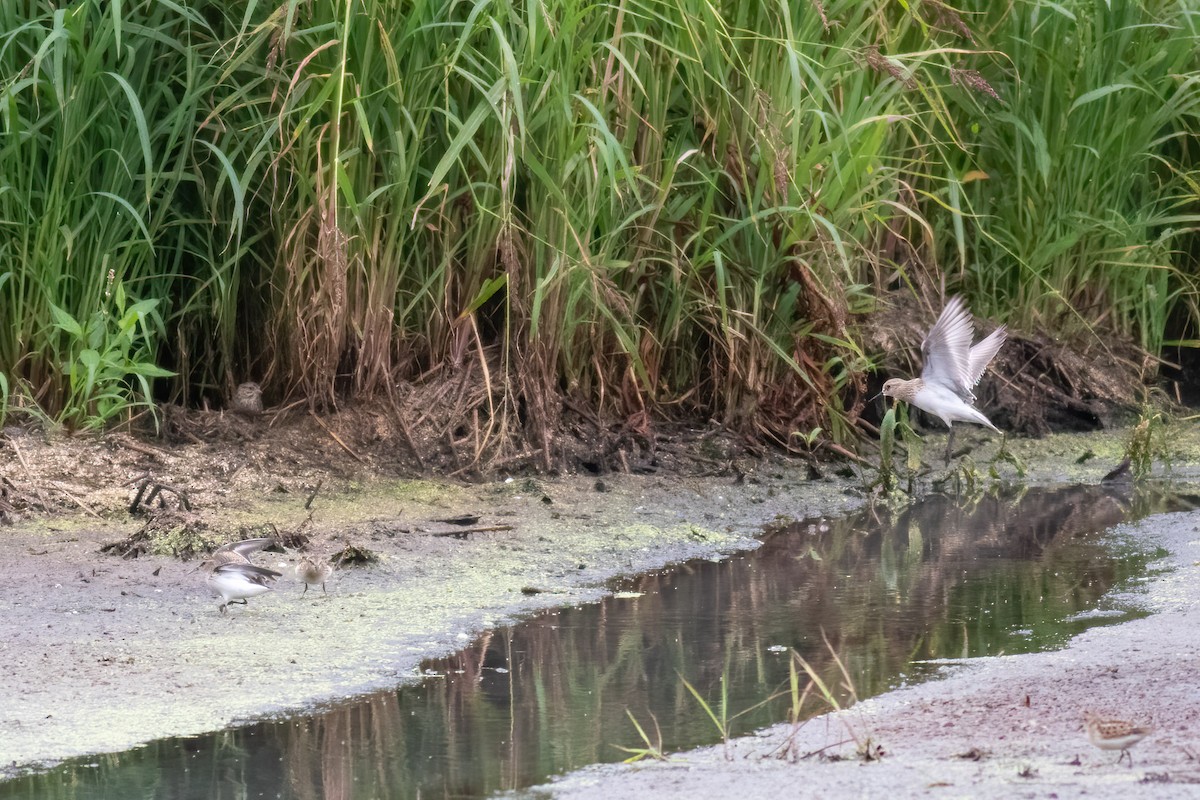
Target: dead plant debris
149, 490
294, 539
870, 750
353, 556
172, 532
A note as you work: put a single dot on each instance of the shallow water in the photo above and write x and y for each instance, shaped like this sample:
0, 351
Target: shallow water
886, 593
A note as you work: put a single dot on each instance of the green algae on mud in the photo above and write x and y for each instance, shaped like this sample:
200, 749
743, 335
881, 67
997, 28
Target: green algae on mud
144, 654
1080, 457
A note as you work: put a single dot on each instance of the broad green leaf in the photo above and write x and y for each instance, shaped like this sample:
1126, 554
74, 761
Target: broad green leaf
91, 361
64, 321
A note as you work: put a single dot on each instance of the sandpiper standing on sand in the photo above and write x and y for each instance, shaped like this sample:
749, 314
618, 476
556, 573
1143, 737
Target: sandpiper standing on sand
952, 368
313, 572
1114, 734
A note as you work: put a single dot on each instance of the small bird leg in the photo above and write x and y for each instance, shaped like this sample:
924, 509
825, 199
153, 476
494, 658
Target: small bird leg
323, 589
949, 445
306, 589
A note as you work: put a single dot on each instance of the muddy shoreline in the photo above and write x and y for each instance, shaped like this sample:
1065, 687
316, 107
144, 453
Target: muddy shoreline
106, 653
136, 649
998, 727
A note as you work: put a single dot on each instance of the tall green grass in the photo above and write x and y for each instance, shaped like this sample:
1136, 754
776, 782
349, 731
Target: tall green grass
1090, 200
89, 153
647, 207
103, 198
616, 206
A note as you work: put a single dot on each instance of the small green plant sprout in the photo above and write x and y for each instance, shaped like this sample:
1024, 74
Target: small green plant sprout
795, 715
808, 439
720, 720
895, 426
720, 717
1006, 456
912, 445
3, 398
828, 696
966, 480
1147, 441
887, 480
108, 358
865, 747
650, 749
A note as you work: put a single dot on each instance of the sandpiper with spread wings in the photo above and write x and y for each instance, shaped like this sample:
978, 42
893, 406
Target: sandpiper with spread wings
236, 582
231, 575
236, 552
952, 368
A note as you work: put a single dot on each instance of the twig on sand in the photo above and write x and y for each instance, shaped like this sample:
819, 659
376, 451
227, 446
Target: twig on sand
337, 438
837, 448
462, 534
313, 495
29, 474
820, 750
74, 499
129, 444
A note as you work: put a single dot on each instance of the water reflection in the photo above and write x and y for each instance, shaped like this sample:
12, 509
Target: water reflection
888, 590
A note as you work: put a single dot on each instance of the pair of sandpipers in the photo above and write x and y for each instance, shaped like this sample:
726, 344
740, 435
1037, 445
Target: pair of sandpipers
951, 370
231, 575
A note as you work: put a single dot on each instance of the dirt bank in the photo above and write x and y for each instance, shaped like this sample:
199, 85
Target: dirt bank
102, 653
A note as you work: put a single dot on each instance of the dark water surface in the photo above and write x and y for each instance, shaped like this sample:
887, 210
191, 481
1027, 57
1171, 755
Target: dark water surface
1003, 575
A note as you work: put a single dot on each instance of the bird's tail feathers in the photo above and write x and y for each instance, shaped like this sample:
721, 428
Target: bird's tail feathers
984, 421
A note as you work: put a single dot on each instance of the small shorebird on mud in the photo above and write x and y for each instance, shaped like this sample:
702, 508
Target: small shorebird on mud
236, 582
231, 575
313, 572
952, 368
247, 400
1114, 734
